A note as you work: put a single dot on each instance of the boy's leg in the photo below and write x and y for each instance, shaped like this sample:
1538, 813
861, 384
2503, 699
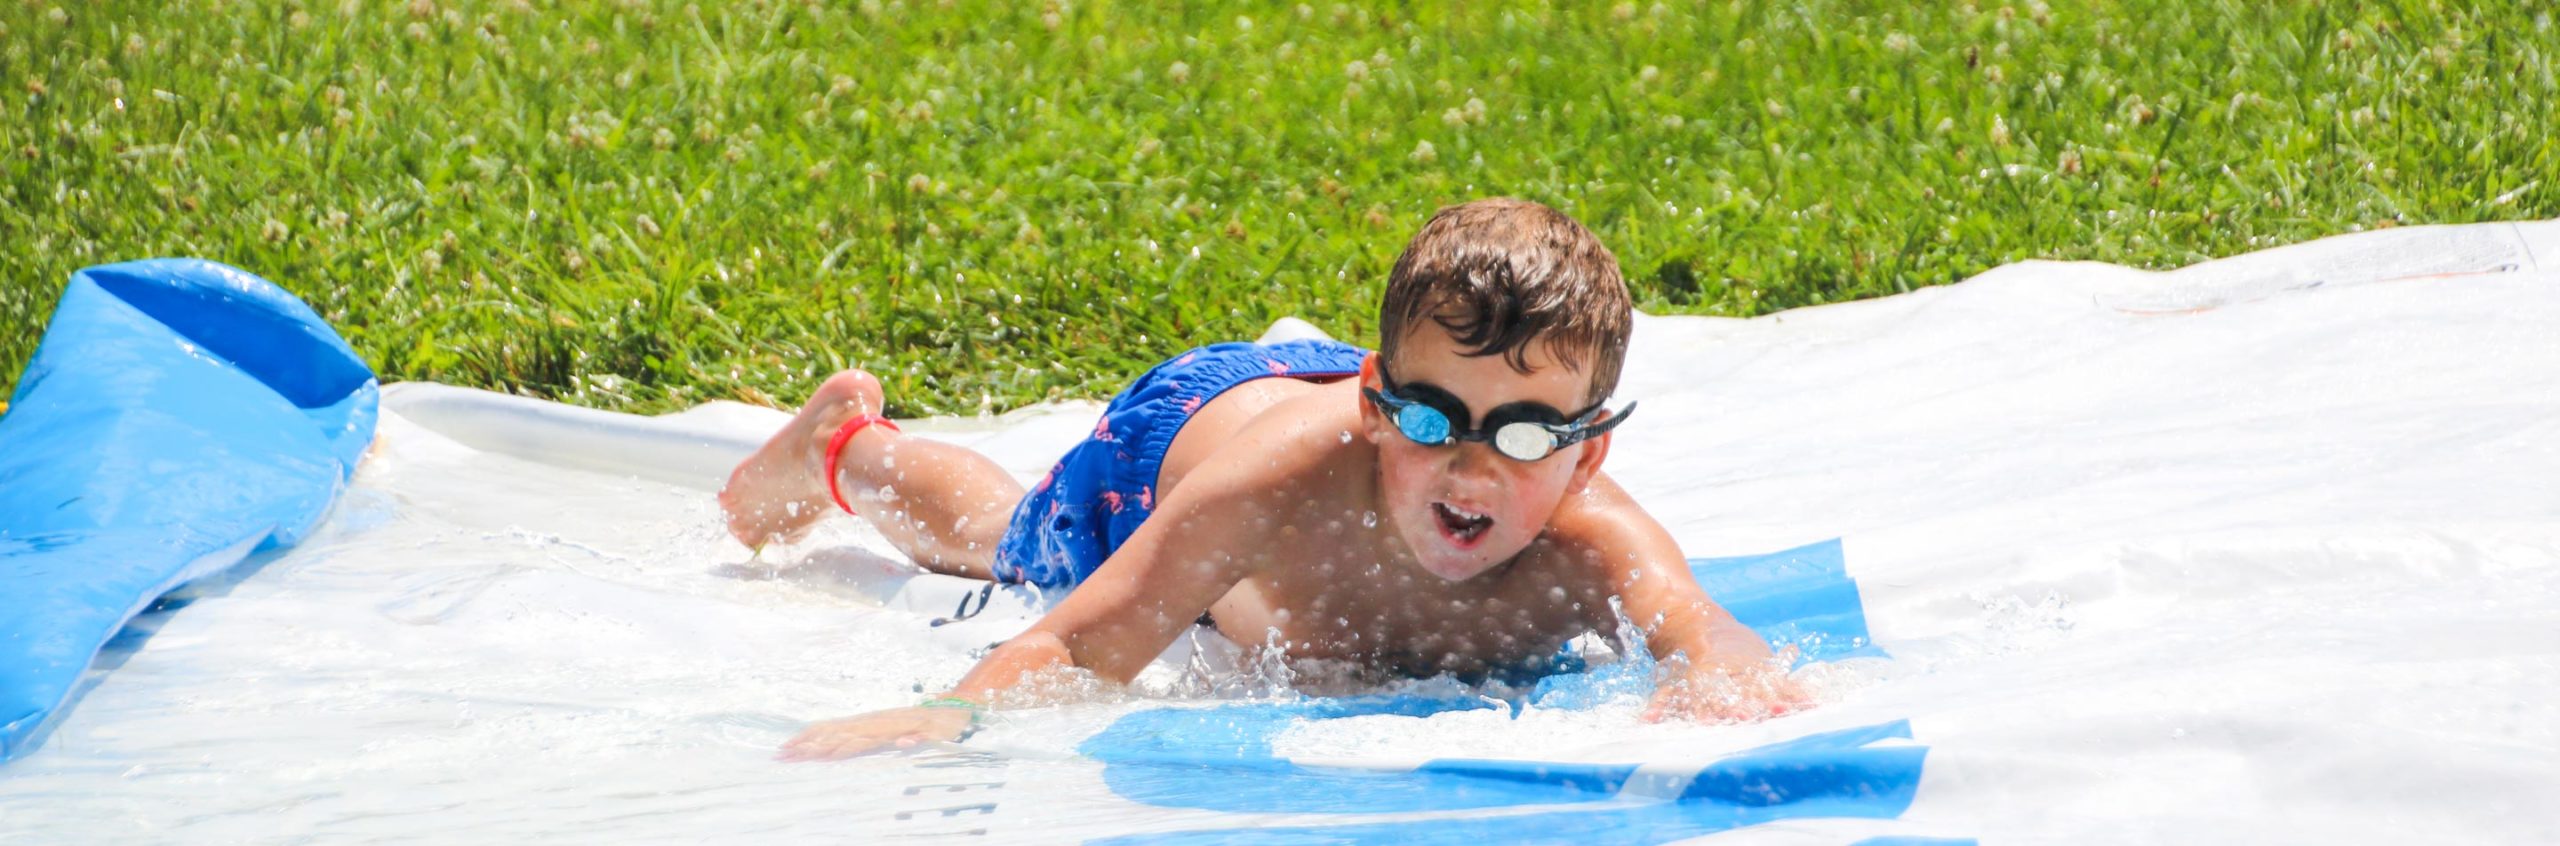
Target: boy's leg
945, 506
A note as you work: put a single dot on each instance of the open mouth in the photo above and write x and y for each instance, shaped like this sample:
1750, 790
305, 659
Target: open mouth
1460, 525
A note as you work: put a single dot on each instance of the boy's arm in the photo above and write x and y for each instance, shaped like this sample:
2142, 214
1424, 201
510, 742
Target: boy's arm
1157, 584
1712, 666
1179, 562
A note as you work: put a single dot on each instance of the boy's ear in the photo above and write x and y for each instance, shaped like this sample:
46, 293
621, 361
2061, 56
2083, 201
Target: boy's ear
1372, 422
1587, 465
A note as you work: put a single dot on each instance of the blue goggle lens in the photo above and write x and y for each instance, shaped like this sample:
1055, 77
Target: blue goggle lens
1424, 424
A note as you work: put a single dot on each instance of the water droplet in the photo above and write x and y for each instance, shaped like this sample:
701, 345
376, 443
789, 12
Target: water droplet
1346, 436
1370, 518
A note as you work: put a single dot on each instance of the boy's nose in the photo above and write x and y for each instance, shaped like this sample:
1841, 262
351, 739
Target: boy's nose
1474, 459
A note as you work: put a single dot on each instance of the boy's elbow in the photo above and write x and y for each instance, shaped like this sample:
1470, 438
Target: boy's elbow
1042, 649
1036, 647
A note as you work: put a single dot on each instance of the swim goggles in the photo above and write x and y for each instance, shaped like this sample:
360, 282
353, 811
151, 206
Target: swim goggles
1522, 431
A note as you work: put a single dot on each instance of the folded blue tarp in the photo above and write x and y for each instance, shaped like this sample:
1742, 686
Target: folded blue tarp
179, 416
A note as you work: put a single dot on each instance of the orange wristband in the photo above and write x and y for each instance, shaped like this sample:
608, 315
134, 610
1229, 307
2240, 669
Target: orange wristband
835, 451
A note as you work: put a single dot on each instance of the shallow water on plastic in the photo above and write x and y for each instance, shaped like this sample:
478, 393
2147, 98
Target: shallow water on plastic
2281, 570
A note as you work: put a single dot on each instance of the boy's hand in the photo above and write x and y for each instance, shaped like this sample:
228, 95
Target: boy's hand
896, 728
1725, 694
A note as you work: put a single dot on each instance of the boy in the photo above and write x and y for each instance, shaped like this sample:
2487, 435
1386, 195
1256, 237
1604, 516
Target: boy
1433, 507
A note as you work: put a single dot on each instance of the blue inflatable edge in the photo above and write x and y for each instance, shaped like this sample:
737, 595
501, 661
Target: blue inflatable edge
179, 416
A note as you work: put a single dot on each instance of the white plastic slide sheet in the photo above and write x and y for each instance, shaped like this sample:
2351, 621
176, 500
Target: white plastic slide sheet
2265, 549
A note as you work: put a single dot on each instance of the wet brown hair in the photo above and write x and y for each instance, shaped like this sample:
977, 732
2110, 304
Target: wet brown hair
1500, 273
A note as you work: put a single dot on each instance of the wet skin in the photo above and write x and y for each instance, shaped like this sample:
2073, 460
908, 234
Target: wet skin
1473, 562
1264, 496
1326, 568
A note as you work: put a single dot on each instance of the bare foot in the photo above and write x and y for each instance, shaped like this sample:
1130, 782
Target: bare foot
781, 490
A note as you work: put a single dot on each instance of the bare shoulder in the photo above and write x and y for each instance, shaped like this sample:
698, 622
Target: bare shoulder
1306, 440
1604, 521
1601, 543
1295, 455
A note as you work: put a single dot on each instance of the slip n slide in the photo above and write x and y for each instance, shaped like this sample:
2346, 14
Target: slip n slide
2262, 549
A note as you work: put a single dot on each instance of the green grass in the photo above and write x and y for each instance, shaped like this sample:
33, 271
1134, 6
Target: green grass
643, 205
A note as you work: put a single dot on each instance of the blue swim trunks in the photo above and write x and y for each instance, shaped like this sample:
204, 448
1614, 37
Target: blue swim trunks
1098, 494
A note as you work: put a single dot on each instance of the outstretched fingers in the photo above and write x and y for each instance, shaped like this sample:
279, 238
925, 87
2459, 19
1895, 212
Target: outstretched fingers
899, 728
832, 741
1721, 696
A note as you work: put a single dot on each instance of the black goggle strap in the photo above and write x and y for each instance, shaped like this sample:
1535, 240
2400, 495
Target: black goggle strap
1581, 429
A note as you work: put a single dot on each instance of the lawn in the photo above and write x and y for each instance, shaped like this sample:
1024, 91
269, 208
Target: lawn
642, 205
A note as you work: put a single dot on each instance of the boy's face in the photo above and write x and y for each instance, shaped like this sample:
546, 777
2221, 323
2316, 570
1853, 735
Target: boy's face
1464, 508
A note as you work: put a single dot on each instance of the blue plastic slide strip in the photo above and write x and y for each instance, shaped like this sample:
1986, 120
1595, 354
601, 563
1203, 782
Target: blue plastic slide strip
1221, 758
1799, 599
1857, 773
179, 416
